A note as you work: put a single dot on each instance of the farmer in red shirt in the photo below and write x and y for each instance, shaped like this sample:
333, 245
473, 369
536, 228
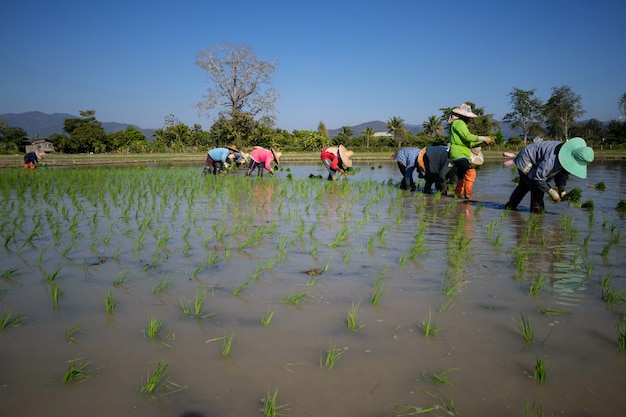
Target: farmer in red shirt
336, 159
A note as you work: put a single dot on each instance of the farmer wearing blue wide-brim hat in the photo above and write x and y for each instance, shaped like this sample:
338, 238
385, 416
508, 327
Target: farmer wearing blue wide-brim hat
545, 161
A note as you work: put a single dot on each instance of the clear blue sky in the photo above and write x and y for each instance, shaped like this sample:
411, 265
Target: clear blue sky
342, 62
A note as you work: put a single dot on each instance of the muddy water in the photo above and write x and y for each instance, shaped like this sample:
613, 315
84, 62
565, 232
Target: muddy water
471, 271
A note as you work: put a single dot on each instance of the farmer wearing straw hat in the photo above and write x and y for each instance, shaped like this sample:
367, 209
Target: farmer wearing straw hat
545, 161
31, 159
407, 162
262, 158
336, 159
219, 158
461, 143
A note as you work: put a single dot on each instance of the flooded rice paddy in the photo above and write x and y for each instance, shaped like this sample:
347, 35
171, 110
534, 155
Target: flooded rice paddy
347, 298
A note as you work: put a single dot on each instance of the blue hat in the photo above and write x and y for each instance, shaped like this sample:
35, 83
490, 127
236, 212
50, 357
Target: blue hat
574, 157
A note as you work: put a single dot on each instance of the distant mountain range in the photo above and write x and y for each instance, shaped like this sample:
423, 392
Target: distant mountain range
36, 123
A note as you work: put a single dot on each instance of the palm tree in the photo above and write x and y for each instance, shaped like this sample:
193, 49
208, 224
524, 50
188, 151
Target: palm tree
368, 132
395, 126
433, 126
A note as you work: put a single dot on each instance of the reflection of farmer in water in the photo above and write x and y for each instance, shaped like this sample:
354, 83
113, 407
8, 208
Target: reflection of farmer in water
336, 159
545, 161
32, 159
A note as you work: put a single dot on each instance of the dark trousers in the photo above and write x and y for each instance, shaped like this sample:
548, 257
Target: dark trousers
406, 184
523, 187
216, 166
432, 178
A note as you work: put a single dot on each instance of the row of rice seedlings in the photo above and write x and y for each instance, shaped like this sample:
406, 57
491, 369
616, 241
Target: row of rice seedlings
331, 356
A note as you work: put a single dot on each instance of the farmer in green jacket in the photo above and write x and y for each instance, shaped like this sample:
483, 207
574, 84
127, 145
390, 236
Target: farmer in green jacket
461, 143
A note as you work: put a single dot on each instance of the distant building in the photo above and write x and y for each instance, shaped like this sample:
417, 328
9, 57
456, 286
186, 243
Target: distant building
383, 134
42, 145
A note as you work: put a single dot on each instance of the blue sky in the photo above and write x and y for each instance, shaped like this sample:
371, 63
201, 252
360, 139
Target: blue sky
342, 62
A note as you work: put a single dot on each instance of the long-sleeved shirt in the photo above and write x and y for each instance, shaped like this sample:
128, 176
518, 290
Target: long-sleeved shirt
219, 154
331, 154
461, 140
540, 162
408, 158
263, 156
31, 157
438, 161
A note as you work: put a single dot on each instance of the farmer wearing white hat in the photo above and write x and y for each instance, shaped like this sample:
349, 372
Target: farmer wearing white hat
32, 159
219, 158
541, 162
336, 159
262, 158
461, 143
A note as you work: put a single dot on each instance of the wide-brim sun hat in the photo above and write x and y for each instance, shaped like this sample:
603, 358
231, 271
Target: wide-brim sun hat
277, 156
574, 156
233, 148
346, 156
464, 110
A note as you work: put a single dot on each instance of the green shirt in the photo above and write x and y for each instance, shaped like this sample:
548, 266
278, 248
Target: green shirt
461, 140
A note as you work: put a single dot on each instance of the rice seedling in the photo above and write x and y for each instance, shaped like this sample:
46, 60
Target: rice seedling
347, 256
555, 312
352, 317
539, 373
52, 276
154, 327
9, 320
535, 411
121, 278
294, 299
621, 333
379, 289
161, 286
340, 237
537, 284
227, 343
428, 326
267, 318
55, 292
10, 275
270, 407
158, 381
439, 378
526, 328
242, 286
70, 334
77, 371
332, 355
109, 302
445, 403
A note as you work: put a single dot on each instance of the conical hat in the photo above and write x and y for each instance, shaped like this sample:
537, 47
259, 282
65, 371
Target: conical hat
277, 156
345, 156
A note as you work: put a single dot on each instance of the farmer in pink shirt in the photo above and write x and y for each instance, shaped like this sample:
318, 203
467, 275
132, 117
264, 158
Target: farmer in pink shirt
262, 158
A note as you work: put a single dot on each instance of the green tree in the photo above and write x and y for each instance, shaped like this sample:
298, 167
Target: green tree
526, 111
433, 126
322, 130
344, 136
86, 134
238, 82
561, 111
120, 141
592, 130
395, 126
368, 132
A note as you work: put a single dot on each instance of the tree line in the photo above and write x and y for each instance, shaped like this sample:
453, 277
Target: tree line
241, 100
